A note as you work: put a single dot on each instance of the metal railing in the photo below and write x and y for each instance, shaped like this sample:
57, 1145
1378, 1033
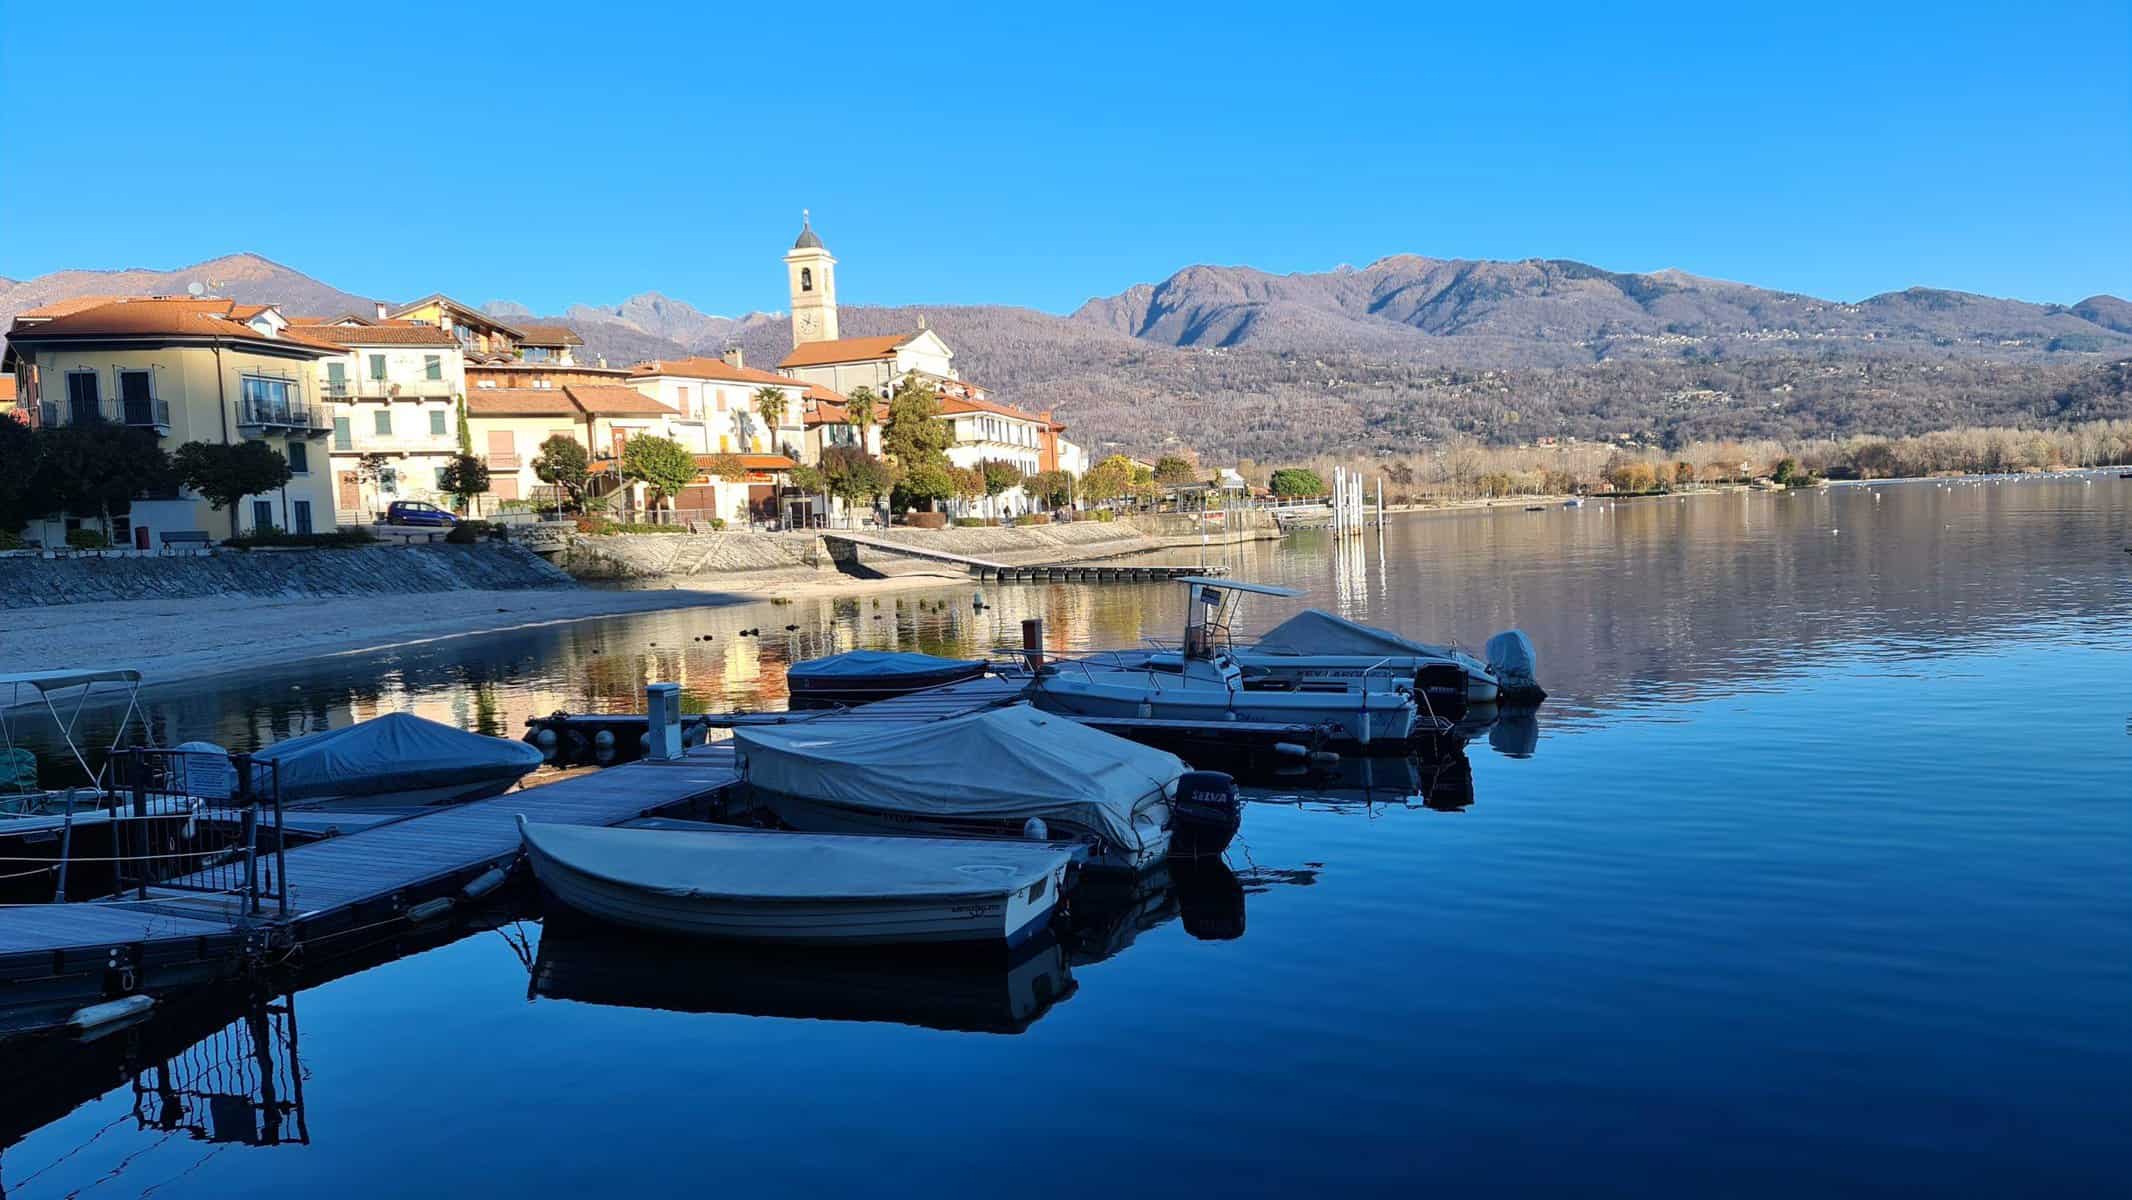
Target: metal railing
289, 416
192, 822
367, 388
242, 1084
111, 410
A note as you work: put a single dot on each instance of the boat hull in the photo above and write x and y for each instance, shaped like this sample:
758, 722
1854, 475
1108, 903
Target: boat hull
1351, 716
822, 816
1009, 916
831, 691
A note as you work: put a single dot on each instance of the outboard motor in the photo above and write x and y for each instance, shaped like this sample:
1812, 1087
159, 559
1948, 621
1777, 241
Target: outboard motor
1205, 815
1511, 657
1444, 683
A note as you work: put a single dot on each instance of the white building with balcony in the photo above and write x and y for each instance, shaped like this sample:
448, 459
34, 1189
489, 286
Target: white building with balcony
394, 391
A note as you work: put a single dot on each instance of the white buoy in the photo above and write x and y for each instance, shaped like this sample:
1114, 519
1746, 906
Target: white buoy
430, 910
482, 884
98, 1015
1034, 830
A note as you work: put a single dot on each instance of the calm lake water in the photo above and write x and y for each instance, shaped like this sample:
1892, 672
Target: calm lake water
1814, 877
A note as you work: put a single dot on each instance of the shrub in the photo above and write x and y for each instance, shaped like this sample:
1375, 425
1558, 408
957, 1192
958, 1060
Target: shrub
1033, 519
969, 522
88, 539
10, 540
926, 520
1104, 514
466, 533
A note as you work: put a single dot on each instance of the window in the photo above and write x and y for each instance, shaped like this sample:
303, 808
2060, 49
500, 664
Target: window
389, 481
377, 366
432, 366
262, 515
440, 479
82, 398
436, 422
806, 279
383, 419
301, 508
342, 438
299, 458
536, 354
267, 400
134, 398
336, 379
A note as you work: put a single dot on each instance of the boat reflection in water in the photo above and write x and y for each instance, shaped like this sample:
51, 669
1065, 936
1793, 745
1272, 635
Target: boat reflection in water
947, 988
1441, 780
1109, 915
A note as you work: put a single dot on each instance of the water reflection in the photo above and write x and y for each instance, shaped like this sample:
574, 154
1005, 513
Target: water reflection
972, 993
197, 1072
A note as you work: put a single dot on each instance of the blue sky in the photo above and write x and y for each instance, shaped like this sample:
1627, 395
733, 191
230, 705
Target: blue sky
559, 154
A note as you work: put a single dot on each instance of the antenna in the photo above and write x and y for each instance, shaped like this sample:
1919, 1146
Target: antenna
195, 289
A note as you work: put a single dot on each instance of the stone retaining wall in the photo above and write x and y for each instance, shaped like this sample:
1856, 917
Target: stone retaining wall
32, 580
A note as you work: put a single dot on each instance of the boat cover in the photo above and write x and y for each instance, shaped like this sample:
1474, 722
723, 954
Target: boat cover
1315, 631
752, 864
876, 664
393, 753
1012, 762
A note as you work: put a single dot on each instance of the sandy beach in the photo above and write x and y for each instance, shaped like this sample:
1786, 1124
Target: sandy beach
170, 640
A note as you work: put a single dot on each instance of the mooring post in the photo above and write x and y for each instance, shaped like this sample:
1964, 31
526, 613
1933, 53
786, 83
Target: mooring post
1033, 642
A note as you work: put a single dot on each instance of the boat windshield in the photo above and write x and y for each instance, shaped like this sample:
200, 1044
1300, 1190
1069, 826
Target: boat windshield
1207, 620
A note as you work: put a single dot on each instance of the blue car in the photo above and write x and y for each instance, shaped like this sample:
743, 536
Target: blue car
417, 512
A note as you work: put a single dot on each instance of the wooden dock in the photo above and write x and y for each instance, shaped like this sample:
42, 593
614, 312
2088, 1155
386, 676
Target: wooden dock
984, 568
57, 957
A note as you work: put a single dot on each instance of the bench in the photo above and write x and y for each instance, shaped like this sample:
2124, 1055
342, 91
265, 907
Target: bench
186, 537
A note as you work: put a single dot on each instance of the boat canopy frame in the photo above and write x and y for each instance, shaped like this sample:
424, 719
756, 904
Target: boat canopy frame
44, 683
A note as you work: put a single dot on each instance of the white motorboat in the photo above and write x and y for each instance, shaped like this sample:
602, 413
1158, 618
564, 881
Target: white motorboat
772, 886
978, 774
1203, 681
1314, 645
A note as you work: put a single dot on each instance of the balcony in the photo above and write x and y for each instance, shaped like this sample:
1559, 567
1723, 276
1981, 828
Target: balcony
386, 389
258, 414
134, 414
504, 462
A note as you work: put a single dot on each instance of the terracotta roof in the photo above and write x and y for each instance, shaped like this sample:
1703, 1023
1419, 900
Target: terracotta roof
709, 368
951, 405
843, 350
607, 400
176, 319
519, 402
73, 304
492, 362
549, 335
442, 299
381, 335
838, 412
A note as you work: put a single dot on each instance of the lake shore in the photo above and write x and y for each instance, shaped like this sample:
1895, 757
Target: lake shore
174, 640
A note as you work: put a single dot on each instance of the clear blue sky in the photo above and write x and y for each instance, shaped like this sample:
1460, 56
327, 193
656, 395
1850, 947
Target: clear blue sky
586, 152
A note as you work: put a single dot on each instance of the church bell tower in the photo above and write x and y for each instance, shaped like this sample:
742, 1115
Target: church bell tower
811, 271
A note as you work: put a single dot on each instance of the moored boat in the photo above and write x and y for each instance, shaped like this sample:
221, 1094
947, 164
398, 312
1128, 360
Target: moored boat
1202, 681
864, 676
767, 885
400, 759
981, 774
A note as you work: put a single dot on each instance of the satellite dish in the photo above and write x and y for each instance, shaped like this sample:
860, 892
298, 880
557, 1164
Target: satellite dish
195, 288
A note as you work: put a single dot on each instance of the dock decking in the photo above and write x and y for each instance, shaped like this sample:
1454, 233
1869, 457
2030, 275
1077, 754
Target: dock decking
985, 568
362, 878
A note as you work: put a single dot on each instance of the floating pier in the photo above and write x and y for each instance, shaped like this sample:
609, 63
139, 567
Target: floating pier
56, 958
985, 568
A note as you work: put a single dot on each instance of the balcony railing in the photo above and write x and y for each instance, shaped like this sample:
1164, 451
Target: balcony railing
504, 462
268, 415
386, 389
138, 414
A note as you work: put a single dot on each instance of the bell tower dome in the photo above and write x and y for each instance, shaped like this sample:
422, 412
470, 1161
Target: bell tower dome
811, 272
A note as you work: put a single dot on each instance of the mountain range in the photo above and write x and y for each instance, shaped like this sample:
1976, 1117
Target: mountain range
1405, 351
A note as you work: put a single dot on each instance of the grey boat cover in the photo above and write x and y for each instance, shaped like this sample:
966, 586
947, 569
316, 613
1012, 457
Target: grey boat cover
1315, 631
1011, 763
394, 753
886, 665
751, 864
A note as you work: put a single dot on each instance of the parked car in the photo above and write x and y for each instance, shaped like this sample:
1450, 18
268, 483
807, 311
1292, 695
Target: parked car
417, 512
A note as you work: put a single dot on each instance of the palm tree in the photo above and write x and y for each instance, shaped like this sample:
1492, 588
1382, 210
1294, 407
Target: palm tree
861, 412
770, 402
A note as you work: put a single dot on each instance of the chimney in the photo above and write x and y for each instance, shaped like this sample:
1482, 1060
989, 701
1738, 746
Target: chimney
382, 310
733, 358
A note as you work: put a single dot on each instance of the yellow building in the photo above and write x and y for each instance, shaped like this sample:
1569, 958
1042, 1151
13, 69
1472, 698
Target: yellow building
188, 370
